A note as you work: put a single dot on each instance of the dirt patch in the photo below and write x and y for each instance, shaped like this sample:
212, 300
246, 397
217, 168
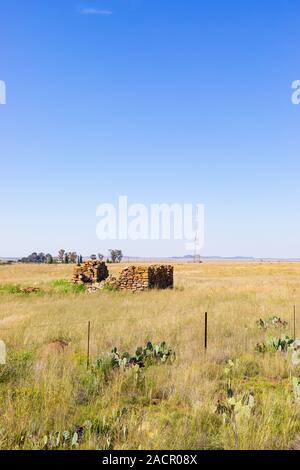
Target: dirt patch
30, 290
57, 346
52, 353
54, 349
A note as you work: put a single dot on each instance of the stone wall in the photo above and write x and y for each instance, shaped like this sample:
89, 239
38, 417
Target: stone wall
132, 278
140, 278
90, 272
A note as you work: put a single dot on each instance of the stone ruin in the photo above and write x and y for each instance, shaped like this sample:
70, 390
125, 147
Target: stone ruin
132, 278
140, 278
90, 272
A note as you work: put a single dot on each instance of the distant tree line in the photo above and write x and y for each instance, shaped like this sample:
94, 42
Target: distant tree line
38, 258
67, 258
62, 257
70, 257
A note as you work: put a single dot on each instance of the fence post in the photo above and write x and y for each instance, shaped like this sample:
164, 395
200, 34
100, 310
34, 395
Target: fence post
205, 331
88, 345
294, 322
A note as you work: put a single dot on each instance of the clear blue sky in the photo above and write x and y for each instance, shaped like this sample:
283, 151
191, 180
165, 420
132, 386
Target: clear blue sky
163, 101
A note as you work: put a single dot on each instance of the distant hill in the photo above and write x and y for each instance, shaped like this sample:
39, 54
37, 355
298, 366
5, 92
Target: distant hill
219, 257
187, 258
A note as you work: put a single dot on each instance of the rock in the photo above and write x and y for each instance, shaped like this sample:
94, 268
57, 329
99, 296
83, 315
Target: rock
29, 290
2, 353
54, 347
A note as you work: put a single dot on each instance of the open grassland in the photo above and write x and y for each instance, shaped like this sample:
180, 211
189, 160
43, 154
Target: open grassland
45, 391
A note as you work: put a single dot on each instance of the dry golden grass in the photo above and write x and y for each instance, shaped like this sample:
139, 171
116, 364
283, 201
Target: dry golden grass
175, 407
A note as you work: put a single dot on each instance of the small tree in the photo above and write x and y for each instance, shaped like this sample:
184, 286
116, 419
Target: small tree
49, 259
80, 259
72, 256
116, 256
113, 255
119, 256
66, 258
33, 258
41, 258
61, 255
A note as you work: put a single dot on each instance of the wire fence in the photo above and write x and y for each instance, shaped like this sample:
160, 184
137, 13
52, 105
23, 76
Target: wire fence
200, 332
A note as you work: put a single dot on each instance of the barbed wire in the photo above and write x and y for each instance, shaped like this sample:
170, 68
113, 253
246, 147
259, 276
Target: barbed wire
43, 325
180, 325
102, 321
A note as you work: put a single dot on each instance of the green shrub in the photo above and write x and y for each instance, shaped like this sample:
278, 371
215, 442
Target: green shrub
17, 367
61, 286
252, 369
10, 289
17, 289
109, 288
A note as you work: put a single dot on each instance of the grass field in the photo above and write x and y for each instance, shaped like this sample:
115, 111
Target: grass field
48, 398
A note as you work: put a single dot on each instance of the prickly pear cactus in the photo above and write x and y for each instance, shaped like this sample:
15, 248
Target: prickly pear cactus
296, 388
273, 322
296, 352
152, 354
283, 344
